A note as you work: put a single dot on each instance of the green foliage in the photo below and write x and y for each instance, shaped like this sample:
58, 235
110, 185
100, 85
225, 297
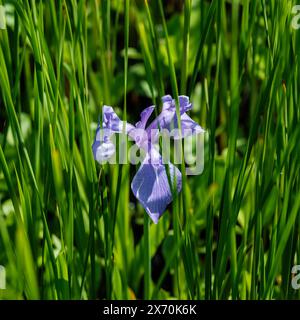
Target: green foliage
69, 228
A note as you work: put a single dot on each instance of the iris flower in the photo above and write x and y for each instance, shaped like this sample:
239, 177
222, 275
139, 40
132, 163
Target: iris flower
150, 185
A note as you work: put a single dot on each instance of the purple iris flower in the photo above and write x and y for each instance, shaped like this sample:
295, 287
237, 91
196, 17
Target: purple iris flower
150, 185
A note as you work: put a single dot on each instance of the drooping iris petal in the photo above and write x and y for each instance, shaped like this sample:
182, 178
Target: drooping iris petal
103, 150
102, 147
151, 186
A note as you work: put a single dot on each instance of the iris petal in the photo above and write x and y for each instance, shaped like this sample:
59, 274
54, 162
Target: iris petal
188, 127
103, 150
168, 114
102, 147
169, 104
166, 98
151, 186
145, 115
111, 121
167, 119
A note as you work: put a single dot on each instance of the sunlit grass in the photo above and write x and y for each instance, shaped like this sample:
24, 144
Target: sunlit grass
70, 228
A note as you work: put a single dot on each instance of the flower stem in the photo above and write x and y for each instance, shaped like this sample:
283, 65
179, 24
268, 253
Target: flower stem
147, 258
